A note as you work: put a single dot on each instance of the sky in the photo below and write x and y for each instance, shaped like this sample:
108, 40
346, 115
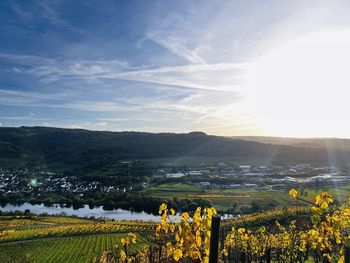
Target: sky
273, 68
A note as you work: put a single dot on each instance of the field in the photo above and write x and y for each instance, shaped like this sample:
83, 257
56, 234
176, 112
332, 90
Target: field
222, 199
61, 239
170, 190
69, 249
339, 192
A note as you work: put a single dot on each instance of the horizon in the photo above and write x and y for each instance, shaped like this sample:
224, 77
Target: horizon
186, 132
227, 69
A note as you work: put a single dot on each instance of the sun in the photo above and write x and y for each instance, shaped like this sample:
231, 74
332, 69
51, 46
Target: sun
302, 88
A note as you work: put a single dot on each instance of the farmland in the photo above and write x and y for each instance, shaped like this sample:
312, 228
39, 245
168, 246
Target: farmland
69, 249
30, 238
61, 239
223, 198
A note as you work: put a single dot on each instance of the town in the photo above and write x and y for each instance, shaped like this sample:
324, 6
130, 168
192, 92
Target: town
219, 176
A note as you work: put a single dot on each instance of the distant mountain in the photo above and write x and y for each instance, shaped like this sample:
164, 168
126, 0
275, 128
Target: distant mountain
323, 143
77, 147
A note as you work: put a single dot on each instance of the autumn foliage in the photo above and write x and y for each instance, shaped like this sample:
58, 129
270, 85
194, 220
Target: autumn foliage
322, 238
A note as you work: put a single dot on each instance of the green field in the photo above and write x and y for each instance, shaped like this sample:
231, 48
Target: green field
176, 187
222, 199
62, 239
170, 190
70, 249
340, 193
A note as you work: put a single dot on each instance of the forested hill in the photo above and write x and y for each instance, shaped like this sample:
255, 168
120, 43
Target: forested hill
77, 146
329, 143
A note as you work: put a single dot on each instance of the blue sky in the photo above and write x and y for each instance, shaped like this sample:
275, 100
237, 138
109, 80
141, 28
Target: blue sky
157, 66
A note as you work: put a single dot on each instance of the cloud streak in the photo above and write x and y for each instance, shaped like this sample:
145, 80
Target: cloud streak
175, 45
153, 66
33, 95
23, 118
195, 76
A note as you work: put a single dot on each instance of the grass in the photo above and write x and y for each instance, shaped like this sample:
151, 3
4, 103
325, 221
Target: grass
340, 193
176, 187
70, 249
222, 199
170, 190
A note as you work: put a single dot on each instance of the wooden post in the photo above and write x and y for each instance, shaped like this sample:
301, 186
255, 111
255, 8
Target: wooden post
268, 255
150, 254
214, 239
346, 254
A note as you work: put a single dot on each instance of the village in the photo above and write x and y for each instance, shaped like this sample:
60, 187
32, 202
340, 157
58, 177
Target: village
219, 176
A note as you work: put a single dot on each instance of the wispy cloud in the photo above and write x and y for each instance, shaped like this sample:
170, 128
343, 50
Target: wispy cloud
48, 11
101, 123
50, 14
196, 104
175, 45
80, 105
176, 35
216, 77
189, 76
112, 119
32, 94
29, 60
23, 14
23, 118
202, 92
193, 12
46, 67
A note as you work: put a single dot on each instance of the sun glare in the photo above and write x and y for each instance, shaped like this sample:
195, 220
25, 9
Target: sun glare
302, 88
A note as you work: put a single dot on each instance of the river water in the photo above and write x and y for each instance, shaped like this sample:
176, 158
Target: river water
98, 212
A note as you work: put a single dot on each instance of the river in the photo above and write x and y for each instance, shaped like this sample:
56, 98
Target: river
98, 212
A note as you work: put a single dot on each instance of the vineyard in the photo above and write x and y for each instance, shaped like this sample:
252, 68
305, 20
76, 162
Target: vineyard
69, 249
62, 239
72, 230
318, 233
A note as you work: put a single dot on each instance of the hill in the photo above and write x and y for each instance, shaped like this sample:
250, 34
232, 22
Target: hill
322, 143
77, 147
39, 238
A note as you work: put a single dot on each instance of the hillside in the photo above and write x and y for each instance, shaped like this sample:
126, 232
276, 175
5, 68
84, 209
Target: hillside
39, 238
76, 147
323, 143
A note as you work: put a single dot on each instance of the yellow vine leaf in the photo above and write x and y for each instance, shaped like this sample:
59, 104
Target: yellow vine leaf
293, 193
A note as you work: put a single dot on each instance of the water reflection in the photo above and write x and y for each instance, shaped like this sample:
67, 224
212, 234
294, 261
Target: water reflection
82, 211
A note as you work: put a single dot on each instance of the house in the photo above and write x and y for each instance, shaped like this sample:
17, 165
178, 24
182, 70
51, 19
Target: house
245, 168
175, 175
194, 173
205, 184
